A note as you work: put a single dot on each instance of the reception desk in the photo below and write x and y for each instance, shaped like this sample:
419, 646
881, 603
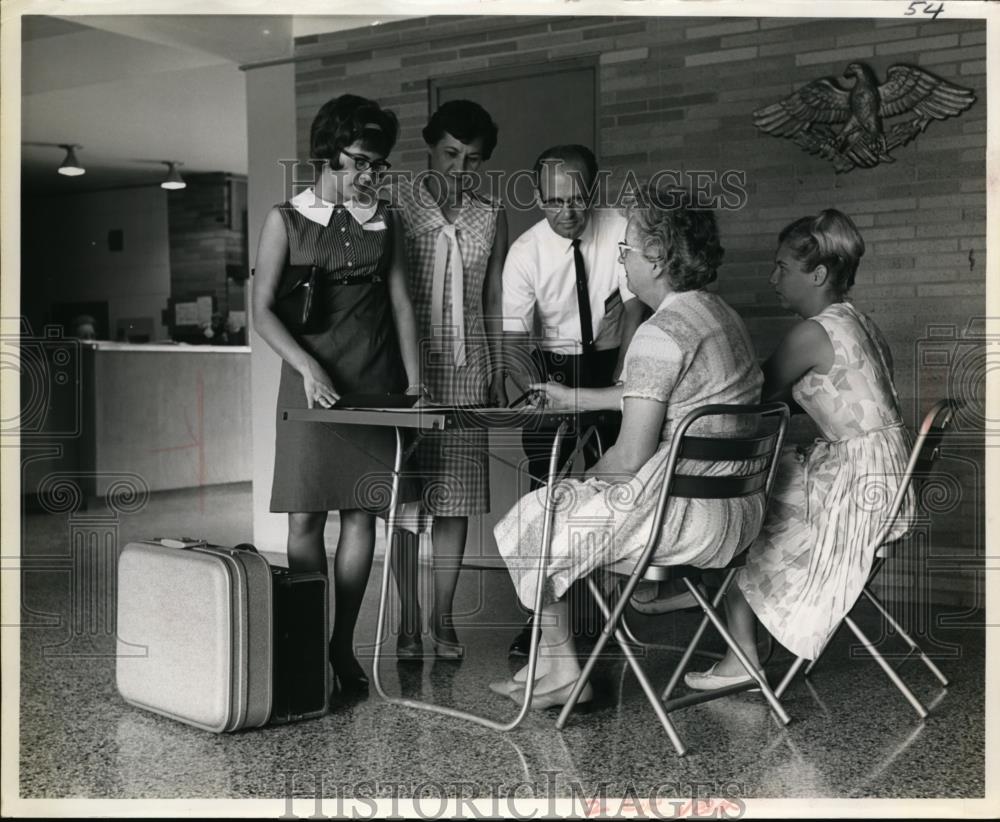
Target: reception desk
177, 416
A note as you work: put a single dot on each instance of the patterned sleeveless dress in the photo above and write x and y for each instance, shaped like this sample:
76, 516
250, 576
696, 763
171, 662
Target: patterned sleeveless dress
322, 466
446, 267
816, 549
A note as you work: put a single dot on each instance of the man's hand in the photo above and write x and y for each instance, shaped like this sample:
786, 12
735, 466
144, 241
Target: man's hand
498, 392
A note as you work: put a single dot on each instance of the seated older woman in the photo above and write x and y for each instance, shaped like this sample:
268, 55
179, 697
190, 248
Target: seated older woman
693, 350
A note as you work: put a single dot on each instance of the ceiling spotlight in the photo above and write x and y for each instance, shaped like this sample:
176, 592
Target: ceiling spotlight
173, 181
71, 166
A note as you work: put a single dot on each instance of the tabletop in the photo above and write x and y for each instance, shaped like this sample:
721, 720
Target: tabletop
435, 417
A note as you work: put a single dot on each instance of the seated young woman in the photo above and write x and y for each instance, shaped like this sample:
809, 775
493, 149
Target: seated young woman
693, 350
827, 508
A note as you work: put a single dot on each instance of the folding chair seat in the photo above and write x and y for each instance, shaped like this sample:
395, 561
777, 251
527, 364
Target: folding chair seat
760, 452
924, 454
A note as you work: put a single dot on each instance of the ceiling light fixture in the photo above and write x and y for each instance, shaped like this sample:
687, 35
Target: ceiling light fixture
174, 181
71, 165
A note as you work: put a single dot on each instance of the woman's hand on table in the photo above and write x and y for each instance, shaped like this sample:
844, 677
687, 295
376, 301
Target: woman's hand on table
419, 390
553, 396
318, 386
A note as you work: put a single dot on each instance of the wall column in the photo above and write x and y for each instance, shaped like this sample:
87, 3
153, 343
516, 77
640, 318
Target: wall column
270, 137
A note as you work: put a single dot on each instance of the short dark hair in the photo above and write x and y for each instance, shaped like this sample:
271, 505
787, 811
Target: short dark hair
572, 153
351, 119
681, 238
831, 239
464, 120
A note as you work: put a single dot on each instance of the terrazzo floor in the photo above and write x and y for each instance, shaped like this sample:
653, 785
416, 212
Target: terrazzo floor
852, 734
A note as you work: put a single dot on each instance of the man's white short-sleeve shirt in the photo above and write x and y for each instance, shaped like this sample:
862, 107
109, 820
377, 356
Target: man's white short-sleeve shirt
539, 284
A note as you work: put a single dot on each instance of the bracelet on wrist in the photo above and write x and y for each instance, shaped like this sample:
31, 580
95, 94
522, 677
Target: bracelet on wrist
416, 388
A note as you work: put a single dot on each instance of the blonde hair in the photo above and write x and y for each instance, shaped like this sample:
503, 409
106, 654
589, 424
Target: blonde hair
830, 239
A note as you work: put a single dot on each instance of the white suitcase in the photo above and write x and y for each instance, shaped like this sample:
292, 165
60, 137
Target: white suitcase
203, 614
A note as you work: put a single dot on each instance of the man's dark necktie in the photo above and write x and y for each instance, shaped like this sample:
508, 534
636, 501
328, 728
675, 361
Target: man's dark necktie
583, 298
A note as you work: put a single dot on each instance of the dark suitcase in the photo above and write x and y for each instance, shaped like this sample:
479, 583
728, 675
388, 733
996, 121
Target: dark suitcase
301, 668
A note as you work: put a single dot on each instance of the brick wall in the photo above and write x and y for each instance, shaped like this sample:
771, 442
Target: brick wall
201, 240
678, 93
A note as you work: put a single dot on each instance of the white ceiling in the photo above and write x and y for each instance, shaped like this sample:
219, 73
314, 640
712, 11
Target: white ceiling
137, 89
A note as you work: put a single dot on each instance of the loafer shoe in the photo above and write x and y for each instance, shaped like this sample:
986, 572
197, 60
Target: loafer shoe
711, 681
554, 698
506, 687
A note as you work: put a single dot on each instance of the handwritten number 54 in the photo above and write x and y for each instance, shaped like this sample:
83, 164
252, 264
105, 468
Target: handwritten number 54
925, 7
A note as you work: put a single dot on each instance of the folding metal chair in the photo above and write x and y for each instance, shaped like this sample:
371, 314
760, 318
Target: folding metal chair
925, 452
762, 446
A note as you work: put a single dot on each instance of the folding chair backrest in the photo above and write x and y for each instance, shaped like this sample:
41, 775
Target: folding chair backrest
711, 449
923, 455
757, 446
933, 428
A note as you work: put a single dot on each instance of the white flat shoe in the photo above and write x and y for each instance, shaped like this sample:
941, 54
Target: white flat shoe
711, 681
506, 687
554, 698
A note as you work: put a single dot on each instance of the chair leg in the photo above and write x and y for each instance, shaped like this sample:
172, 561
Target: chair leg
770, 647
588, 666
905, 636
588, 669
829, 639
885, 666
660, 646
629, 634
677, 649
720, 626
792, 671
876, 567
690, 651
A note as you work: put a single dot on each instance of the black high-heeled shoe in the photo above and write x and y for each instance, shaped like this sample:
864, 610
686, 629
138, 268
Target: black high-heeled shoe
349, 676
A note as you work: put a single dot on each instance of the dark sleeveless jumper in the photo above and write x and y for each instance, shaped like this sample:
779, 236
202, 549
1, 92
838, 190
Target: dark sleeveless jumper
321, 466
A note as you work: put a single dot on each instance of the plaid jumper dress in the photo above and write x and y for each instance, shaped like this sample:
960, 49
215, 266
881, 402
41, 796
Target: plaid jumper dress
446, 268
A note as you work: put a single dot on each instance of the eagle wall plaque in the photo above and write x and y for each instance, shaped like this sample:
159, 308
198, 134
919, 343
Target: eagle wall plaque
846, 125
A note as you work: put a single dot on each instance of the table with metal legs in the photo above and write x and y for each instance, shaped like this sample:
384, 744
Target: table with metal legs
432, 418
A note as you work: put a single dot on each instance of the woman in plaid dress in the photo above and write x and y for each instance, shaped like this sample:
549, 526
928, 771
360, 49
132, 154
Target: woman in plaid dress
456, 241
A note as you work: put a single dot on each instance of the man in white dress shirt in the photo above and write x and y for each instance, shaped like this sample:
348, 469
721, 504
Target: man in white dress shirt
564, 296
